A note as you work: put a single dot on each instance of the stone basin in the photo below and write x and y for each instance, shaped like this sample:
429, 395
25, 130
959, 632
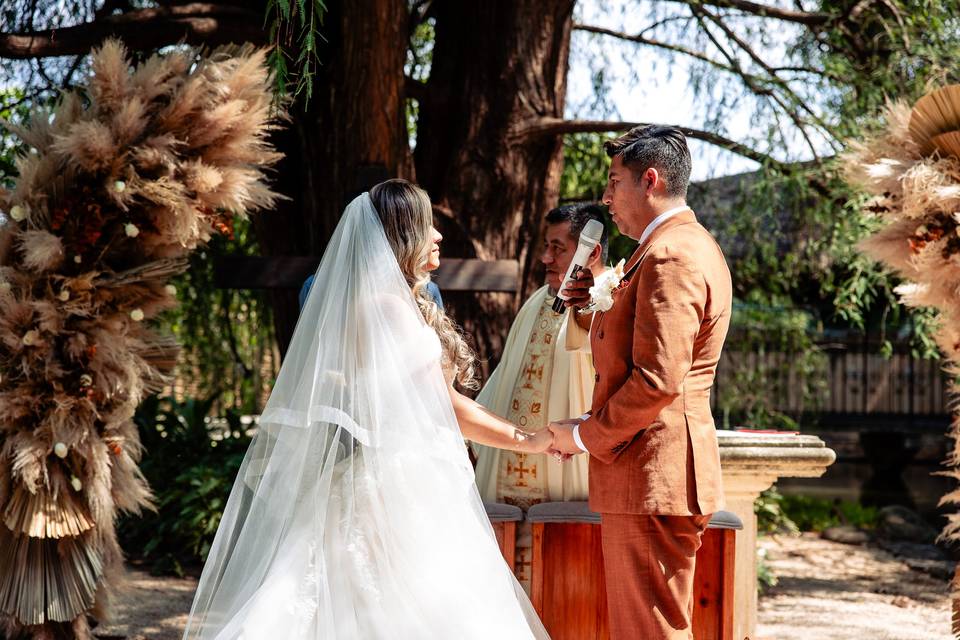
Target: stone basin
750, 463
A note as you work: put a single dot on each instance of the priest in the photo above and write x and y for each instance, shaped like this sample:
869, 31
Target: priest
545, 374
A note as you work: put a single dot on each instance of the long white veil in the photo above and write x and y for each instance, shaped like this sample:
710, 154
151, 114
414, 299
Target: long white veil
355, 513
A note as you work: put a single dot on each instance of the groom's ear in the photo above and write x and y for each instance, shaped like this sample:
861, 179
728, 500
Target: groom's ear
653, 180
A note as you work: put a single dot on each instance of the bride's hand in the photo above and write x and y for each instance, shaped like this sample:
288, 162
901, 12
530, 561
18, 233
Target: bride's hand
537, 442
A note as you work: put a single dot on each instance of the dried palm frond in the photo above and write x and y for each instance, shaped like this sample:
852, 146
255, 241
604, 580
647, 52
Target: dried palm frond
43, 515
918, 188
935, 113
154, 270
947, 143
125, 177
161, 353
46, 579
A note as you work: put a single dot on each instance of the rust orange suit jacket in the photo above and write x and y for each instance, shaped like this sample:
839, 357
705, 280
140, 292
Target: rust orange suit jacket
651, 436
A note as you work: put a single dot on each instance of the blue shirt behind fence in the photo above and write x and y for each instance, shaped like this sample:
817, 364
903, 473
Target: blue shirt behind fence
432, 289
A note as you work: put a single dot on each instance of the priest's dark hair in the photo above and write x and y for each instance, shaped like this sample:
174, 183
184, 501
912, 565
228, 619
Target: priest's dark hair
577, 214
658, 146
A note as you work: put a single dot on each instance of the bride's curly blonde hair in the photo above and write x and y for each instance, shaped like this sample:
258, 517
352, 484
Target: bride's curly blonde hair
407, 218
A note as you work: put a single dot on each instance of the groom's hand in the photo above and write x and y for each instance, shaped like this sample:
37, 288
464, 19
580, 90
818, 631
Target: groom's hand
577, 291
563, 442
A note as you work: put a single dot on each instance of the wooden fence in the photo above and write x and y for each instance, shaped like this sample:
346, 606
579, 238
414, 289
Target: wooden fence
854, 379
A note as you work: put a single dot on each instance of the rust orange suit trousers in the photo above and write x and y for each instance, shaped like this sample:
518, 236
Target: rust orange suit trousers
649, 562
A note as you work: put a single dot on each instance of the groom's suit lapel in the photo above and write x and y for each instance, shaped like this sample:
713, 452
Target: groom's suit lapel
684, 217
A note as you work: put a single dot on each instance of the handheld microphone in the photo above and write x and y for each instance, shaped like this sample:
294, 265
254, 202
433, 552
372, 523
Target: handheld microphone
589, 238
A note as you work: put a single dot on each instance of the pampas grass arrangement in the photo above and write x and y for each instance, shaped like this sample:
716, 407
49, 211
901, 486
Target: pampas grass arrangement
911, 170
123, 179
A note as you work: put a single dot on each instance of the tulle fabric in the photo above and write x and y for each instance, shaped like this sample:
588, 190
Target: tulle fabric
355, 514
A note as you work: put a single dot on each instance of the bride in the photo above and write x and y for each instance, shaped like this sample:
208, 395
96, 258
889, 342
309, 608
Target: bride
355, 514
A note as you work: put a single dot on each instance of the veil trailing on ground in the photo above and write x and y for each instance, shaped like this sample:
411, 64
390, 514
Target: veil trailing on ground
354, 513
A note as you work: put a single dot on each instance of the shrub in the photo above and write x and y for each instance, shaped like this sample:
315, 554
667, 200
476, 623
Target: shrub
191, 466
792, 513
771, 517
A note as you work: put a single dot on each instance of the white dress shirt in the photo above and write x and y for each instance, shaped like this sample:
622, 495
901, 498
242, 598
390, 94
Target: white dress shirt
659, 220
656, 222
576, 433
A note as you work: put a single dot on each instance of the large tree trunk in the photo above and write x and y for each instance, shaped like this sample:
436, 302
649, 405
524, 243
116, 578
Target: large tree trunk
350, 135
498, 67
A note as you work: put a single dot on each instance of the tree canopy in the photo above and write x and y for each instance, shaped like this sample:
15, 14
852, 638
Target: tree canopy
480, 113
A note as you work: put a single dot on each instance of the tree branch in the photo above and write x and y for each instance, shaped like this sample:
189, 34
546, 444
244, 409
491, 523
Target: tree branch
809, 18
641, 39
697, 55
26, 99
700, 14
67, 81
556, 126
773, 77
759, 85
659, 23
196, 23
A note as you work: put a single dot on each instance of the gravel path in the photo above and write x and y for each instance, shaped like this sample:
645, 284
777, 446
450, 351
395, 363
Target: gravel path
151, 608
826, 591
832, 591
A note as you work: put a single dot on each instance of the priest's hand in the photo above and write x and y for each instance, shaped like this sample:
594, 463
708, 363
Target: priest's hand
577, 292
563, 442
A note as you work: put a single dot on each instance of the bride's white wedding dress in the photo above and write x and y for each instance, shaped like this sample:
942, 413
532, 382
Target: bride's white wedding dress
355, 514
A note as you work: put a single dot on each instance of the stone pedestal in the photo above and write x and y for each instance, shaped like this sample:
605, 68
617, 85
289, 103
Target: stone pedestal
751, 463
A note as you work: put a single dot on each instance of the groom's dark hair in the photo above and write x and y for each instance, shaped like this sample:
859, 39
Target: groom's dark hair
653, 145
577, 214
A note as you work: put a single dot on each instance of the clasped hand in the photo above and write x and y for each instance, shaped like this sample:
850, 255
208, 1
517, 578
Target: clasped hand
556, 440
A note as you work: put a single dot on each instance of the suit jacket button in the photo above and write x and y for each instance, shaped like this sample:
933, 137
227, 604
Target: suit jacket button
596, 377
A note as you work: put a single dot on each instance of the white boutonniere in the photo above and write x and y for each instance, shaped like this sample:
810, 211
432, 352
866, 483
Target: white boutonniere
601, 293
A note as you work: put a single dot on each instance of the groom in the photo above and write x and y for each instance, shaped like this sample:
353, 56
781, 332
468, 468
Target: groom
654, 460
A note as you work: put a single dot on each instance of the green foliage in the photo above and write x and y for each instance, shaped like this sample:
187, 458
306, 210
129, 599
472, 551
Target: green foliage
417, 68
792, 230
191, 468
765, 576
13, 109
897, 49
585, 165
420, 51
923, 324
227, 336
771, 517
777, 513
294, 28
770, 355
792, 240
817, 514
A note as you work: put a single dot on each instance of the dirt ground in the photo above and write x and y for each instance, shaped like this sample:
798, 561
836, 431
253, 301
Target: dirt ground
151, 608
832, 591
826, 591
